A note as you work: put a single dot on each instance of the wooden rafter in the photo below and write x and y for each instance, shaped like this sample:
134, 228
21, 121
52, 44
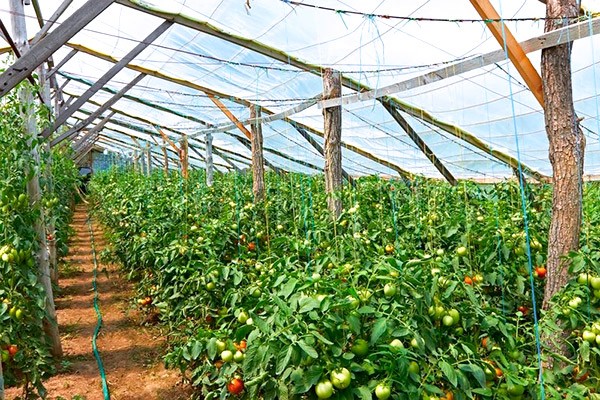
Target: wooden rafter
241, 101
43, 49
508, 42
111, 73
279, 55
230, 115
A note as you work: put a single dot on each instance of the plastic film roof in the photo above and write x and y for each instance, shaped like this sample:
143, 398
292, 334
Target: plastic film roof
365, 41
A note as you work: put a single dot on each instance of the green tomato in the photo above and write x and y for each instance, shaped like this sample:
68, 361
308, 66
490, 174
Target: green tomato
210, 286
454, 314
353, 302
340, 378
360, 347
414, 343
448, 320
413, 368
242, 317
238, 356
324, 389
461, 251
383, 391
515, 390
221, 345
396, 345
583, 279
227, 356
595, 282
589, 336
389, 290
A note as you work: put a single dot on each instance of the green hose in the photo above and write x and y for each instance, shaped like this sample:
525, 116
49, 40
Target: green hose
105, 390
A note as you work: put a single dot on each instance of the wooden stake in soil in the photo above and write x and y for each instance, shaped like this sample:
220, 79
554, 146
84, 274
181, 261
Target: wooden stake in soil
148, 159
33, 187
209, 160
332, 87
258, 163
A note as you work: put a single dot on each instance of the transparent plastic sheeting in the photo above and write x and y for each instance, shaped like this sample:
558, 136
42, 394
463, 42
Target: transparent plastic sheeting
491, 102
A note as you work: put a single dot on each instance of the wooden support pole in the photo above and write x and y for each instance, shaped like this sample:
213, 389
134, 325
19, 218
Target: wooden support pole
1, 383
508, 42
166, 160
332, 87
148, 159
183, 155
209, 160
258, 164
33, 186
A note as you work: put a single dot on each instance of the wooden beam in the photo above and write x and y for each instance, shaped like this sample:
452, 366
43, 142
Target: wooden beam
421, 145
279, 55
106, 77
567, 34
95, 129
167, 139
363, 153
43, 49
98, 112
230, 115
62, 62
332, 117
508, 42
45, 27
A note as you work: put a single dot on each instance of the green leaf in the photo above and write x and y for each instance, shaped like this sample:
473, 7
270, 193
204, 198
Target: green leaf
449, 372
379, 329
283, 359
362, 393
476, 371
288, 288
308, 349
321, 338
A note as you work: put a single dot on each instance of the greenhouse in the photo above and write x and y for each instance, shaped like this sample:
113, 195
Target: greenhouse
299, 199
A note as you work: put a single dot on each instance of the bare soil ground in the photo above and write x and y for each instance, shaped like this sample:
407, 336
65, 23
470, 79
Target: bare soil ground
130, 352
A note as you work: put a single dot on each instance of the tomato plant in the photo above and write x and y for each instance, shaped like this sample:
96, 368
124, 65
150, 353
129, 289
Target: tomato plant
381, 294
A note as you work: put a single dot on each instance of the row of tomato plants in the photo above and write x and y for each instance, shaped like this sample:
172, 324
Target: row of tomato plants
25, 355
418, 290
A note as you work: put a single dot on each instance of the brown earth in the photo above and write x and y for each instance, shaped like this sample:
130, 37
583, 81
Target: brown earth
131, 353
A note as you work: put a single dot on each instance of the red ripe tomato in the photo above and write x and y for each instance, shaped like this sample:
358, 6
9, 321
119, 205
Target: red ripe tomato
235, 386
541, 272
251, 246
12, 350
523, 309
468, 280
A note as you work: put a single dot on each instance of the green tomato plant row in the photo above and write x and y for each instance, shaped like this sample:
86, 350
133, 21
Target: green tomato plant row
24, 352
418, 290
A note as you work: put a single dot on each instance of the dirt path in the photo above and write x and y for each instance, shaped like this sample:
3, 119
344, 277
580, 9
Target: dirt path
131, 353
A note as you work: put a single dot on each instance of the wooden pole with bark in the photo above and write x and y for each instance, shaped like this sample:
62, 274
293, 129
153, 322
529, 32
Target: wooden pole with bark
566, 153
567, 146
183, 155
166, 160
33, 186
258, 163
148, 159
332, 87
210, 168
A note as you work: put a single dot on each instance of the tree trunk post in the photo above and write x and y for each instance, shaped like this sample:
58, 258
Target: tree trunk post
258, 161
567, 144
566, 153
184, 157
33, 187
166, 159
148, 159
210, 168
332, 87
